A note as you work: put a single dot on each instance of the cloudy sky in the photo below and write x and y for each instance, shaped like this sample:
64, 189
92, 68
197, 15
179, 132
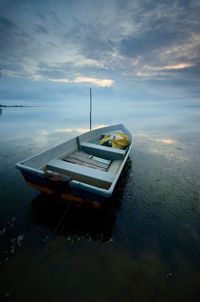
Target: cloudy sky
51, 50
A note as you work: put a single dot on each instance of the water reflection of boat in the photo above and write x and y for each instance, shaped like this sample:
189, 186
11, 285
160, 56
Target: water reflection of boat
79, 222
81, 169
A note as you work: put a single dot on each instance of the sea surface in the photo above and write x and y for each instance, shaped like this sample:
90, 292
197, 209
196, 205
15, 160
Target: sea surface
146, 247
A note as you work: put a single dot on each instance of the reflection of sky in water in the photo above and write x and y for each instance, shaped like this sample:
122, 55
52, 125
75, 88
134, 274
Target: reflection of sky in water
39, 128
36, 123
168, 130
153, 232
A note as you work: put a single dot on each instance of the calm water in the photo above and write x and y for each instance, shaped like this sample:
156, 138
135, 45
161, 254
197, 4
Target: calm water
145, 248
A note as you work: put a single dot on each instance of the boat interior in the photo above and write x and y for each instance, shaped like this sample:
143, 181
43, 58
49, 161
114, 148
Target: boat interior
83, 159
90, 163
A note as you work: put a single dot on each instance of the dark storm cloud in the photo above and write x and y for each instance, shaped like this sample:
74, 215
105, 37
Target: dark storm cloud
6, 24
162, 26
42, 30
148, 42
41, 16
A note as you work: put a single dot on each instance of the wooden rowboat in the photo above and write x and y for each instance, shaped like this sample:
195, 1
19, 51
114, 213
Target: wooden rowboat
81, 169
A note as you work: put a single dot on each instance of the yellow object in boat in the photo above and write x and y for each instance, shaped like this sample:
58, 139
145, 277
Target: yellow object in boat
116, 140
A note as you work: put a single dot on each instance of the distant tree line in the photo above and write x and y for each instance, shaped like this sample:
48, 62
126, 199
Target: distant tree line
5, 106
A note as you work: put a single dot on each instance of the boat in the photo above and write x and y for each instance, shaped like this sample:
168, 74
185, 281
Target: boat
84, 169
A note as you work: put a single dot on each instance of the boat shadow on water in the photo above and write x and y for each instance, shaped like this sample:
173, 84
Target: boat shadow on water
67, 219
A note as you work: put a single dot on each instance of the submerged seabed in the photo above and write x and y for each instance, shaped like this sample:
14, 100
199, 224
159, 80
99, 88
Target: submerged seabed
146, 247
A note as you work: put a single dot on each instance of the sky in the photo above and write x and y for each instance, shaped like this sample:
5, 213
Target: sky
52, 51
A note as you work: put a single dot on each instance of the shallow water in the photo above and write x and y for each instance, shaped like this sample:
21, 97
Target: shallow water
145, 247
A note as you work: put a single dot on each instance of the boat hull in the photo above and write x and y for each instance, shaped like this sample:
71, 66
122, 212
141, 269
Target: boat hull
62, 192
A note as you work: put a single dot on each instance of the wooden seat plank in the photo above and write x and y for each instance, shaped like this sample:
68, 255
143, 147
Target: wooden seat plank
103, 151
82, 173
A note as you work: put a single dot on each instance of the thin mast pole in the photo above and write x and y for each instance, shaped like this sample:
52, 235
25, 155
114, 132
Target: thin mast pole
90, 109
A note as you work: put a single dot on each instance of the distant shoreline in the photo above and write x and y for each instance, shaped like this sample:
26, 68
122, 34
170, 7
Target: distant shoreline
8, 106
193, 106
